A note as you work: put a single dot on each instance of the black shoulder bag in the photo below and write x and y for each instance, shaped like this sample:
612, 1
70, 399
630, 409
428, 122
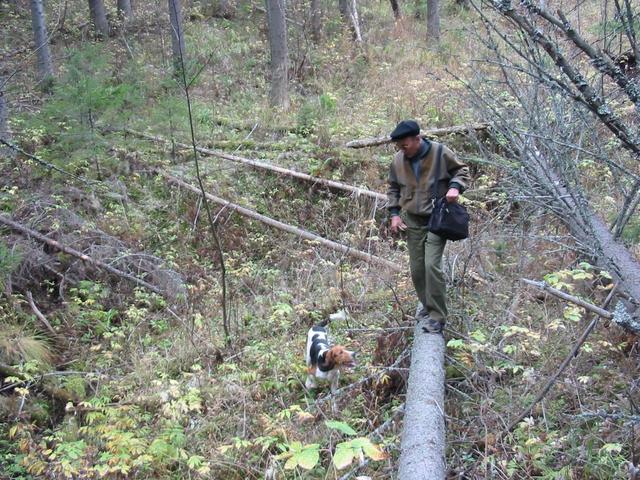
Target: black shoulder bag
448, 220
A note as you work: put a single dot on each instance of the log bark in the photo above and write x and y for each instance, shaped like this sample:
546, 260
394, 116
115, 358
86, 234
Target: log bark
75, 253
585, 225
367, 257
330, 184
423, 437
395, 7
431, 132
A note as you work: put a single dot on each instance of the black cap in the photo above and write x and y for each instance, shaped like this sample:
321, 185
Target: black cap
406, 128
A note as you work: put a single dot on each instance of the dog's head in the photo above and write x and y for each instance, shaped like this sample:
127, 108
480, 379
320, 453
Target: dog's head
341, 357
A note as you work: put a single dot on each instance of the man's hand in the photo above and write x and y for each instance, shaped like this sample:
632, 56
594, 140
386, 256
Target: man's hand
452, 195
397, 225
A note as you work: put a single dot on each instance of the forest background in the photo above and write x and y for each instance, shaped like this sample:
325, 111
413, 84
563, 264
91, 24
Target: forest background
174, 347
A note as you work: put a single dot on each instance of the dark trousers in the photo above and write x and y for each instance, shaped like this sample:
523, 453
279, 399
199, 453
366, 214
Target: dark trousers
425, 259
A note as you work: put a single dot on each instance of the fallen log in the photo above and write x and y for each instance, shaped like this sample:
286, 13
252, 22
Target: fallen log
570, 298
423, 435
75, 253
367, 257
50, 390
330, 184
431, 132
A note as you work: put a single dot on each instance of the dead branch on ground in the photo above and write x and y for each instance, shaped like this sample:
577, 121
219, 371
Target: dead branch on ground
367, 257
330, 184
75, 253
431, 132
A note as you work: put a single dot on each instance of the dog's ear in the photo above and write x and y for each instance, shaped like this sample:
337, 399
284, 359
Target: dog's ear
330, 356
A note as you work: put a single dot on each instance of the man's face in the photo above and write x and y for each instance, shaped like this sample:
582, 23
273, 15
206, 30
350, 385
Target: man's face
409, 146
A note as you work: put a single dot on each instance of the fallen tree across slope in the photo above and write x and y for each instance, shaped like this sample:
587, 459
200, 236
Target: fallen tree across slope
423, 443
352, 252
323, 182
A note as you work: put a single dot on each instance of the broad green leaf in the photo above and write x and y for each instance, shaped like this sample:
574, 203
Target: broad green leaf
455, 343
308, 458
295, 447
291, 463
343, 457
359, 442
374, 452
479, 336
340, 426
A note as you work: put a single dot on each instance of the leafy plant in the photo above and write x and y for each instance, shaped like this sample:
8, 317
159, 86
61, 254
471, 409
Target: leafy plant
299, 455
359, 448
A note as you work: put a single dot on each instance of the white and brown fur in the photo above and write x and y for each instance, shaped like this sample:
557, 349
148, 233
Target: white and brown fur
325, 361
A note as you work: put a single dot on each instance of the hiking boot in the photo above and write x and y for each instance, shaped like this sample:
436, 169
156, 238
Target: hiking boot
430, 325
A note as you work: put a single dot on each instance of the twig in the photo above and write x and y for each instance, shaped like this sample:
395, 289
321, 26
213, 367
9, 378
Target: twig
363, 380
39, 314
574, 351
570, 298
213, 228
46, 164
378, 330
606, 415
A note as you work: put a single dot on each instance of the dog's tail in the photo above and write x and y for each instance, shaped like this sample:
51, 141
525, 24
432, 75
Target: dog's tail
339, 316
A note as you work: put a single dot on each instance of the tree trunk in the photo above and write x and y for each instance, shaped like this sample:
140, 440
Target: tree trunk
45, 65
99, 17
395, 7
276, 21
589, 229
349, 13
433, 21
355, 21
124, 9
343, 6
5, 133
422, 449
177, 36
316, 20
226, 9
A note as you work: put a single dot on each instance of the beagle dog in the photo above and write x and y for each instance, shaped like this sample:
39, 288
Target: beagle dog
324, 362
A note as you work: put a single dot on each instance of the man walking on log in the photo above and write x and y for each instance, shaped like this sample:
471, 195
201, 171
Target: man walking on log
410, 183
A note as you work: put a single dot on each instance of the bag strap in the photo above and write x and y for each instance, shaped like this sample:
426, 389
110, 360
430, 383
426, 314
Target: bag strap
434, 182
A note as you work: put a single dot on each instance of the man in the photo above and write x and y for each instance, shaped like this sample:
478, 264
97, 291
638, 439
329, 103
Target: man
410, 189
